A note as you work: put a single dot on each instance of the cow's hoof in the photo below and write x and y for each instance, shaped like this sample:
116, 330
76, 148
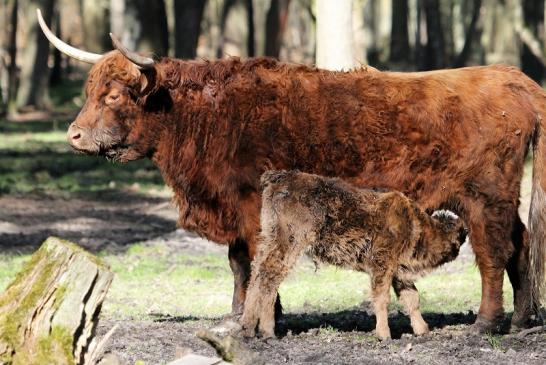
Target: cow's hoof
483, 325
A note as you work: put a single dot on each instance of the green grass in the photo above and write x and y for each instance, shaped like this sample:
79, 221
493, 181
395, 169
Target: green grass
35, 157
495, 341
154, 281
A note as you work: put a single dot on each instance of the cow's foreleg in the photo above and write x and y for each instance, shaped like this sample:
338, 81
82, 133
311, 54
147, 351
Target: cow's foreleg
517, 272
239, 261
409, 297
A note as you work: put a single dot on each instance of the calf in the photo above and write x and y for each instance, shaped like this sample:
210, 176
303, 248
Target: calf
382, 233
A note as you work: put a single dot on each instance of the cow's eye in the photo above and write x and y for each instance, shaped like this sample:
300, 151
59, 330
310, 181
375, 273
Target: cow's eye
111, 99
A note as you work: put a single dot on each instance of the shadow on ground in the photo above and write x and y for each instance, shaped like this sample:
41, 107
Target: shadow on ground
107, 220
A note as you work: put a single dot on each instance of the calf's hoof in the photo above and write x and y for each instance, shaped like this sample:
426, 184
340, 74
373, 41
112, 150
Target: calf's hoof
383, 334
420, 329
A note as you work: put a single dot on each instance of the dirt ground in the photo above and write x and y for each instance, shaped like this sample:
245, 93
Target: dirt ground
99, 221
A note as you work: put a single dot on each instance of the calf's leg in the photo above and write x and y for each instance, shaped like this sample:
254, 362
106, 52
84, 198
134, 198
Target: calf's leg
381, 283
409, 297
240, 255
273, 262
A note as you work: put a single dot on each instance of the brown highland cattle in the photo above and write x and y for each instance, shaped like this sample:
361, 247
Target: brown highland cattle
382, 233
451, 139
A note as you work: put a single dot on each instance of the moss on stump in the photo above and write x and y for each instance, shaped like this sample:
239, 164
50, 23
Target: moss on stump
48, 314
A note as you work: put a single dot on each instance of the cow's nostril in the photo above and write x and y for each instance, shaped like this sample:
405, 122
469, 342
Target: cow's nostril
76, 136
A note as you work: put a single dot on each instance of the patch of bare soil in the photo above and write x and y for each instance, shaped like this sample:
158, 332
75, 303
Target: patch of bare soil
155, 342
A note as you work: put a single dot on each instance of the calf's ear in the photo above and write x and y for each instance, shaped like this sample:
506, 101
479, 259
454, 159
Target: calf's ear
272, 177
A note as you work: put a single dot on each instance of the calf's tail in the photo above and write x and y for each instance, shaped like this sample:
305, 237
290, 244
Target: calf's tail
537, 217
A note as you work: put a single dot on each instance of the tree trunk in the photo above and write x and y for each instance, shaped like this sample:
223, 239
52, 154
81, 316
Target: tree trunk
96, 25
49, 313
143, 25
465, 53
334, 34
187, 27
275, 24
400, 48
250, 41
533, 17
436, 45
33, 92
57, 70
12, 54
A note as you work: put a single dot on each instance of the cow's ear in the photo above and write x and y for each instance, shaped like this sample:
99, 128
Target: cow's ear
148, 81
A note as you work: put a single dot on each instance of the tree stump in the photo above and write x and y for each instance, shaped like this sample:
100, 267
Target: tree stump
48, 314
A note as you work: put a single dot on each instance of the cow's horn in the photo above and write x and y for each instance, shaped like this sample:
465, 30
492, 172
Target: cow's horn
65, 48
141, 61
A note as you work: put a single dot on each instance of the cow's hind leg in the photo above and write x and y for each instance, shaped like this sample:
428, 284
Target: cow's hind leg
491, 242
409, 297
517, 272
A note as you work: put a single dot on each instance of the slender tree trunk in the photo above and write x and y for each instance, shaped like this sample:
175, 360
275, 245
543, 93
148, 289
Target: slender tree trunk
334, 34
57, 70
12, 53
251, 44
471, 34
400, 48
436, 44
144, 25
96, 25
228, 4
187, 26
33, 92
533, 17
275, 25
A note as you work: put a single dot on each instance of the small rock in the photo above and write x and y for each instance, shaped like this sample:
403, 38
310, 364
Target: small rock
511, 352
408, 347
180, 351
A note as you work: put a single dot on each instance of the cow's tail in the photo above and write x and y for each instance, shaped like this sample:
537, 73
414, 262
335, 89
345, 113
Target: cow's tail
537, 217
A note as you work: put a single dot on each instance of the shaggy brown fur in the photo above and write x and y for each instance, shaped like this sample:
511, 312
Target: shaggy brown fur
453, 139
384, 234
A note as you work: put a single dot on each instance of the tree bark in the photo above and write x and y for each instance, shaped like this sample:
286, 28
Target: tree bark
49, 313
400, 48
334, 34
187, 27
275, 24
143, 25
533, 17
12, 54
96, 25
435, 36
465, 53
57, 70
33, 91
250, 41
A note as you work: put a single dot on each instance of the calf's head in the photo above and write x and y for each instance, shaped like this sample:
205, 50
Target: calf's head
452, 232
112, 122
